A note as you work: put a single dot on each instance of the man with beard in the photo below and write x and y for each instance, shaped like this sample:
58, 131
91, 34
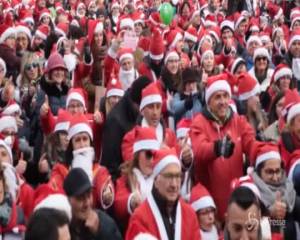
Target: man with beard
152, 65
219, 138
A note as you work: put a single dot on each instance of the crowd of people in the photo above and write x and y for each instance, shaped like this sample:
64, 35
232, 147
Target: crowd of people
116, 124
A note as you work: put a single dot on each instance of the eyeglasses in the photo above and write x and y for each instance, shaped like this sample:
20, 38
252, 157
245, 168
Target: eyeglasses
272, 172
261, 58
31, 66
170, 176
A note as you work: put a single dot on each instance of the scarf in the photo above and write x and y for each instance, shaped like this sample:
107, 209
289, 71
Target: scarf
145, 183
127, 77
268, 192
83, 158
209, 235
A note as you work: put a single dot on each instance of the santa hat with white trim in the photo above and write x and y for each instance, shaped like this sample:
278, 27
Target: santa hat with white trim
215, 32
114, 88
171, 55
293, 111
125, 22
44, 13
233, 66
145, 139
265, 152
183, 127
79, 123
247, 86
8, 122
62, 29
207, 52
125, 53
274, 10
227, 24
23, 28
150, 94
295, 160
264, 37
63, 121
217, 83
201, 198
295, 36
76, 94
294, 11
280, 71
295, 18
3, 65
238, 19
291, 97
42, 32
253, 38
162, 158
191, 34
11, 108
6, 31
157, 47
261, 52
245, 181
172, 37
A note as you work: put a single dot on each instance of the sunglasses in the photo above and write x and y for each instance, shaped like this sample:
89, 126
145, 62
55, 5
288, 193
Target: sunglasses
31, 66
261, 58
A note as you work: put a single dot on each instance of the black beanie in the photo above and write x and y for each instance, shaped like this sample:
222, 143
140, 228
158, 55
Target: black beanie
190, 75
137, 87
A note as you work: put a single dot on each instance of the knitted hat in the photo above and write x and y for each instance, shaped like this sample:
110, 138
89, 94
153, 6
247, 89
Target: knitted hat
114, 88
215, 84
22, 28
125, 53
201, 198
63, 120
171, 55
261, 52
280, 71
247, 86
79, 124
162, 158
77, 94
55, 61
42, 31
8, 122
191, 34
265, 152
3, 65
157, 47
295, 36
150, 95
145, 139
183, 127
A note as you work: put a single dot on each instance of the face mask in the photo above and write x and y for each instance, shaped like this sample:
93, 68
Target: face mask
9, 141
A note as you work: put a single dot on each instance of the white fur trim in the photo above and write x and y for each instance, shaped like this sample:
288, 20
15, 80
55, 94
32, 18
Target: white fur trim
253, 188
115, 92
294, 110
255, 28
40, 34
238, 22
278, 14
58, 202
8, 149
78, 128
60, 31
11, 109
266, 156
112, 53
265, 38
99, 27
156, 98
75, 96
220, 85
144, 236
156, 57
294, 20
126, 55
203, 202
206, 53
62, 126
23, 29
3, 64
293, 39
145, 145
28, 20
172, 54
261, 52
283, 72
169, 159
190, 37
182, 132
177, 38
253, 38
7, 122
251, 93
128, 203
236, 63
291, 172
44, 15
9, 31
127, 22
215, 35
228, 24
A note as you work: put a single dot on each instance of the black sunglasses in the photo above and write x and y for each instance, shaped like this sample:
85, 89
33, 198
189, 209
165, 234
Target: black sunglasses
261, 58
30, 66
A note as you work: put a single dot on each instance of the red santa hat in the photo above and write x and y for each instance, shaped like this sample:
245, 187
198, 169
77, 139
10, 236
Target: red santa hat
56, 201
172, 37
254, 25
238, 18
42, 31
217, 83
8, 122
264, 37
145, 139
291, 97
3, 65
162, 158
62, 121
295, 159
79, 123
247, 86
294, 11
115, 4
200, 198
295, 36
157, 47
125, 22
150, 94
293, 111
207, 52
125, 53
59, 7
183, 127
25, 16
275, 11
253, 38
261, 52
62, 28
295, 18
94, 26
245, 181
22, 28
77, 94
227, 24
44, 13
11, 108
191, 34
144, 43
265, 152
114, 88
6, 31
280, 71
137, 17
79, 45
171, 55
215, 32
235, 63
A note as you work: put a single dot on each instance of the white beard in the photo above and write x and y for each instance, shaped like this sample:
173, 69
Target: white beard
70, 61
127, 78
83, 158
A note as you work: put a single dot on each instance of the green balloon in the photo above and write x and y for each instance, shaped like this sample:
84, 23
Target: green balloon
166, 13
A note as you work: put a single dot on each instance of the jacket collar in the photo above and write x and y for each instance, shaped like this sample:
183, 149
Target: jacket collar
210, 116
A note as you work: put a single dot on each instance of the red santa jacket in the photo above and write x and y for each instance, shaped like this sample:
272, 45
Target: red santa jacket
145, 70
81, 71
214, 172
26, 199
147, 219
111, 68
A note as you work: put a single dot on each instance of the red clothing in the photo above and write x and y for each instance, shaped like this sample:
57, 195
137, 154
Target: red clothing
145, 70
147, 219
81, 71
26, 199
111, 69
214, 172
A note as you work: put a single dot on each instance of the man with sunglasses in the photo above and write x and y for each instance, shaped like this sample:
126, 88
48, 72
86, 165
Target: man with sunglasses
164, 214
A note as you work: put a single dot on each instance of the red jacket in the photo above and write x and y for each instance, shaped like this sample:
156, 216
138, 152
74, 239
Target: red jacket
26, 199
145, 70
215, 173
81, 71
